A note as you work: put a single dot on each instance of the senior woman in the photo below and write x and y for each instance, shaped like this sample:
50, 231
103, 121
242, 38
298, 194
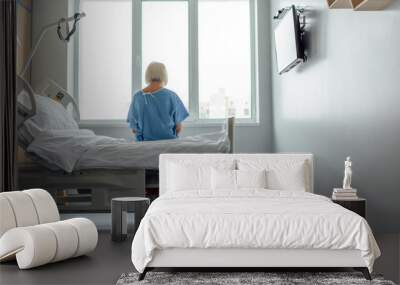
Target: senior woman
156, 113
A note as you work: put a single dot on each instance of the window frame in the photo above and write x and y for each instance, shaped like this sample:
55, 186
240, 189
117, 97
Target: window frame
193, 61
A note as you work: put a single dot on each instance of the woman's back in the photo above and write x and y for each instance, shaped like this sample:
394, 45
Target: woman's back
154, 115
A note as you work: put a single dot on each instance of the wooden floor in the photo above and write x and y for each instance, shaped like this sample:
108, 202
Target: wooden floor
111, 259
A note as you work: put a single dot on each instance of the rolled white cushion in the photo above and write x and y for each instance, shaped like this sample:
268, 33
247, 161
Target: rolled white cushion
45, 205
37, 245
87, 235
23, 208
66, 238
7, 218
33, 246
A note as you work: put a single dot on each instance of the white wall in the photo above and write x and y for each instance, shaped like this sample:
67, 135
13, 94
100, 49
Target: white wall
345, 101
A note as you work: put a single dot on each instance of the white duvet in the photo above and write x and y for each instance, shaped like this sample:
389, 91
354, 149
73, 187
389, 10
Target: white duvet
253, 218
81, 149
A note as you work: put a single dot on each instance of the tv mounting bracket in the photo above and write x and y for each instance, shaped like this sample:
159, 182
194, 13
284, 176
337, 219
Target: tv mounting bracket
300, 12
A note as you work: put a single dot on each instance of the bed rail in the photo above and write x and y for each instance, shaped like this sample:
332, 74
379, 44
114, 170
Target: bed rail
26, 106
26, 109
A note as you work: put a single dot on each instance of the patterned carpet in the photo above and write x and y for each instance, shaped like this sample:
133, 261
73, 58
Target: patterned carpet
243, 278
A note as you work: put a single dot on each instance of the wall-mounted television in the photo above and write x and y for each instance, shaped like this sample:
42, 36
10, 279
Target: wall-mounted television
288, 45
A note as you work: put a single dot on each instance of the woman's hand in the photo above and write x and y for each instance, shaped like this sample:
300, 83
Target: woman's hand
178, 128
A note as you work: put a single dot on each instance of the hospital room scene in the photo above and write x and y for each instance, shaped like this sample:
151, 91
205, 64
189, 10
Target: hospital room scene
199, 142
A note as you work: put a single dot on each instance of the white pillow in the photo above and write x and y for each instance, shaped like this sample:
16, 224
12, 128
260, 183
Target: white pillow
183, 178
227, 179
282, 174
50, 115
185, 174
292, 179
251, 178
223, 179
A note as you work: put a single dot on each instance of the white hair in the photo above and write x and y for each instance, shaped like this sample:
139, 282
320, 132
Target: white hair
156, 71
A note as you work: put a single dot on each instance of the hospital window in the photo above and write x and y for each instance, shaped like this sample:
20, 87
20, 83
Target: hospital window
105, 59
165, 39
208, 47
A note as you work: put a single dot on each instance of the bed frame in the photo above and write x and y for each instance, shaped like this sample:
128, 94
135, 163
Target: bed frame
255, 260
245, 259
104, 184
98, 186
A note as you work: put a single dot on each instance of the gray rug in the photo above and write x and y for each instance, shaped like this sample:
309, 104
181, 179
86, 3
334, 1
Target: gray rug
269, 278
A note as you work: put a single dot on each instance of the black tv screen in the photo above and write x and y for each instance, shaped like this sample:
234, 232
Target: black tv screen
288, 46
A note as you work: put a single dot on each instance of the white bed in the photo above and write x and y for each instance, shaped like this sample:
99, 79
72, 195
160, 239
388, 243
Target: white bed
63, 156
48, 129
207, 226
80, 149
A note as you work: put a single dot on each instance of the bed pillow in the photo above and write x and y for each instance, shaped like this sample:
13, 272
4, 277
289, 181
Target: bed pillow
226, 179
50, 115
251, 178
223, 179
293, 178
281, 174
183, 178
188, 175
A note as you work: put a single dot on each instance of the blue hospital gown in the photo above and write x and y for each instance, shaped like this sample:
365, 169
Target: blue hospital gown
154, 115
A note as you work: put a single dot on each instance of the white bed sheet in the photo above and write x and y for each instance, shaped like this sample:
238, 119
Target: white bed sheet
82, 149
252, 218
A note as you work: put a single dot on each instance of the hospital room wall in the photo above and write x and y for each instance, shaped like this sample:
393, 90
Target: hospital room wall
345, 101
248, 138
53, 58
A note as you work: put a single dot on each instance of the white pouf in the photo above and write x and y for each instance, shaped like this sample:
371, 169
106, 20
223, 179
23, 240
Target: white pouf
31, 232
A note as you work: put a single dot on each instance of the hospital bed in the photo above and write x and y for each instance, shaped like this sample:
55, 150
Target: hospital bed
104, 167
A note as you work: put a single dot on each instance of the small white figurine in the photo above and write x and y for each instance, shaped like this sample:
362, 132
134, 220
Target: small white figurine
347, 174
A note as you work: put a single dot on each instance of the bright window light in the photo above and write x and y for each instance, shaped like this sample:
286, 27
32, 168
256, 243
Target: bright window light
165, 39
224, 59
105, 59
208, 47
